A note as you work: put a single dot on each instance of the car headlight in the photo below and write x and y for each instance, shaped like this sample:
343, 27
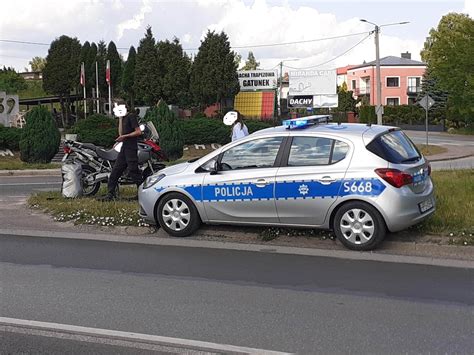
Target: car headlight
152, 180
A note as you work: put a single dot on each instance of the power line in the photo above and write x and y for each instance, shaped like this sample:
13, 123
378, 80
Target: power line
24, 42
289, 43
233, 47
330, 60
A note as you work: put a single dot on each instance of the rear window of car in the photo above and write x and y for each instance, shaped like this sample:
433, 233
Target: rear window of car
394, 147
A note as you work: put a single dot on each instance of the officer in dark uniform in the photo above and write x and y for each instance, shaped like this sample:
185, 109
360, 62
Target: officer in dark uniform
129, 131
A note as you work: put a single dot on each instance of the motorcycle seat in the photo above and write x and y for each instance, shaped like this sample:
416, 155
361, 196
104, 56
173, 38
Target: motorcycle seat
90, 146
110, 154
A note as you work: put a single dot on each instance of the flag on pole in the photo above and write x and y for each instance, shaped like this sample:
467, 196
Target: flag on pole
83, 75
107, 73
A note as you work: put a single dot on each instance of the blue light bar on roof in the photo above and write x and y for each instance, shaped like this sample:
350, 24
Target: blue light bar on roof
306, 121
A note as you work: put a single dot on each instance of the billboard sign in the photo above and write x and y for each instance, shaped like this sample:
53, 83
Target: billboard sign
300, 101
250, 80
312, 82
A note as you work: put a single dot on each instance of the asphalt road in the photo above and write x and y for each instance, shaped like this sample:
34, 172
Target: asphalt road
443, 139
25, 185
262, 300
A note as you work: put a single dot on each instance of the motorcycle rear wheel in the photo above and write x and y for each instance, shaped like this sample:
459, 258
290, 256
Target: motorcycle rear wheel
92, 189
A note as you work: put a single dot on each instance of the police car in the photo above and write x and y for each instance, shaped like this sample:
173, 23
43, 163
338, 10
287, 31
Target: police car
358, 180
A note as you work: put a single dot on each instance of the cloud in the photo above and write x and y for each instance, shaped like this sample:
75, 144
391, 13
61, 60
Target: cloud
135, 22
469, 7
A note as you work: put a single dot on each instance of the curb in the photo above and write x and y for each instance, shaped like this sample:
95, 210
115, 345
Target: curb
381, 255
31, 172
450, 158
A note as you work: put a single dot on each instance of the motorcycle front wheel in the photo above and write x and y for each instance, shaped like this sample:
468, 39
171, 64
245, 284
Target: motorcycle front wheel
88, 189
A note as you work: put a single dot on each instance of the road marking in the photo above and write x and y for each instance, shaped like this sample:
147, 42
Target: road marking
133, 337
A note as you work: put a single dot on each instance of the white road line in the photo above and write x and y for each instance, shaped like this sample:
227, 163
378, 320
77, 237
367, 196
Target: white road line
134, 337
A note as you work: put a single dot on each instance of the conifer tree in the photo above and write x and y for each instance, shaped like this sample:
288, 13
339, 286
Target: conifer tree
147, 71
128, 77
40, 137
214, 71
115, 68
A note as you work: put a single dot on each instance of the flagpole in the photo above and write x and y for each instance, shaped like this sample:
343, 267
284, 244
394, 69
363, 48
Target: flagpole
97, 87
83, 71
108, 78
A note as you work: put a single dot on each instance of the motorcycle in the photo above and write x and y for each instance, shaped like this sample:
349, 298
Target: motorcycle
97, 163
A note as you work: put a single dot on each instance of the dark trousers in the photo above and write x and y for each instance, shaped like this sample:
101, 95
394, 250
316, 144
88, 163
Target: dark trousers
127, 158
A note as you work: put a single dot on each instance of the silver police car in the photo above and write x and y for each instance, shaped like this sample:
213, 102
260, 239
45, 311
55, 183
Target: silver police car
358, 180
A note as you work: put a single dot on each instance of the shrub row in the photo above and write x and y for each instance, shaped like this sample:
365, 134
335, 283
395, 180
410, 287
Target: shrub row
211, 130
396, 115
97, 129
10, 138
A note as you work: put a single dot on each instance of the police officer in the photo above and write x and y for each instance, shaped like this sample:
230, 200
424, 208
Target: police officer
129, 131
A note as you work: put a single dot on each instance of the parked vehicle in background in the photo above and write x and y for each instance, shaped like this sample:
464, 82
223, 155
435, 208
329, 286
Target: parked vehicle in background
359, 180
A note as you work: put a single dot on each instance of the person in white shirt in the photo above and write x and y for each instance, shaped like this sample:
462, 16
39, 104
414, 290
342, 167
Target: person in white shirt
239, 129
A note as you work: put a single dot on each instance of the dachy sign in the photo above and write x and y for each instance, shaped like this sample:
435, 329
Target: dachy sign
313, 82
257, 79
300, 101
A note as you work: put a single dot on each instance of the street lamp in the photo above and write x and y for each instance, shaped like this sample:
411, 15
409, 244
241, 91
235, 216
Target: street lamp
379, 107
281, 83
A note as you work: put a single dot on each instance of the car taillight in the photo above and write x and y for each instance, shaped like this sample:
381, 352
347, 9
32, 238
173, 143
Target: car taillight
66, 149
395, 177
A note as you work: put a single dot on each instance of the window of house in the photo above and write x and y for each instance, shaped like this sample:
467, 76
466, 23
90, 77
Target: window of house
411, 101
393, 82
353, 84
393, 101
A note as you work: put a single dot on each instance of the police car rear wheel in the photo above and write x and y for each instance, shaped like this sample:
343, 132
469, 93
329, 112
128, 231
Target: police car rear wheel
177, 215
359, 226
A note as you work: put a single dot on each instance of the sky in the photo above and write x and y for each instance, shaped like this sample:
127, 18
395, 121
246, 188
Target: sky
248, 23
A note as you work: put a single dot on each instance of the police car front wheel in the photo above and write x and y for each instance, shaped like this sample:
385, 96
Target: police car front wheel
359, 226
177, 215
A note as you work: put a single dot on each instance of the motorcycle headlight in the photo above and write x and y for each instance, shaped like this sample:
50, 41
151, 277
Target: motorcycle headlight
152, 180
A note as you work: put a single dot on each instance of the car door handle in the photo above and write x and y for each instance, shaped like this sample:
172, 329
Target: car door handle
261, 183
326, 180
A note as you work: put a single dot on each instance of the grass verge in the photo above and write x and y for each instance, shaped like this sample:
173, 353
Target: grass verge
429, 149
88, 210
14, 163
453, 217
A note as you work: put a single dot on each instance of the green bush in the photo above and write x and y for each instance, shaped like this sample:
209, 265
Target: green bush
169, 129
10, 138
97, 129
212, 130
394, 115
40, 137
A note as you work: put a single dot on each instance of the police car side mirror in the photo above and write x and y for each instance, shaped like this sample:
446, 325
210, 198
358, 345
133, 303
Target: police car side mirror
215, 168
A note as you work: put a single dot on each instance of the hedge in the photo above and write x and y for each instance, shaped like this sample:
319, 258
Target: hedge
97, 129
10, 138
396, 115
209, 130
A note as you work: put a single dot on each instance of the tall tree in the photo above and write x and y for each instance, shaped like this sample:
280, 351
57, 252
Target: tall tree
448, 52
101, 62
61, 73
147, 83
251, 63
176, 71
37, 63
115, 68
10, 81
128, 77
214, 71
346, 102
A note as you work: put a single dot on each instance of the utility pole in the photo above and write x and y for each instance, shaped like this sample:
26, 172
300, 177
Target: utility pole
378, 79
378, 107
281, 85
